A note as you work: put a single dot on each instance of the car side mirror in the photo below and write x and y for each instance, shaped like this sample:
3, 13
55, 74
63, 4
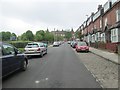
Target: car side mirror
17, 51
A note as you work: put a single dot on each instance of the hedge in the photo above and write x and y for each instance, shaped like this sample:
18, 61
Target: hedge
19, 44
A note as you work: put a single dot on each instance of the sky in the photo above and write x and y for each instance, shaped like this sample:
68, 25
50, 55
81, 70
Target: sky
18, 16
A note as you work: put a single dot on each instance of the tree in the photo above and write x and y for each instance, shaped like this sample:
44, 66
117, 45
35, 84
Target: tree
29, 35
23, 37
68, 35
0, 36
39, 35
6, 36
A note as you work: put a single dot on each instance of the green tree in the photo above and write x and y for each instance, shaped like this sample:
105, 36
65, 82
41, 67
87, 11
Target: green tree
39, 35
6, 35
0, 36
68, 35
23, 37
29, 35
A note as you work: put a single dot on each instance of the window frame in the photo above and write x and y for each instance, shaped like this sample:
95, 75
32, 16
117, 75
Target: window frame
10, 53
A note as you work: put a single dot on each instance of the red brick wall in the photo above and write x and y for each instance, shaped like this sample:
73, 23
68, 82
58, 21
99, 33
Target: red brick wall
112, 47
97, 23
90, 27
111, 15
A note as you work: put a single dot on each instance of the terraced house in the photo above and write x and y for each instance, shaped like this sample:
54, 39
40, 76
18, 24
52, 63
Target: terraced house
102, 28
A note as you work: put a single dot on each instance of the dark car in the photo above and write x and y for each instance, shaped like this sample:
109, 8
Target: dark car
12, 59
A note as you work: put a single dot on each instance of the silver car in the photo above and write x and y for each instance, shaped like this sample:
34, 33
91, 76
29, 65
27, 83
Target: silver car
35, 48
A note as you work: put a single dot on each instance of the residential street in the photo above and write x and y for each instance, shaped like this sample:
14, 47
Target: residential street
60, 68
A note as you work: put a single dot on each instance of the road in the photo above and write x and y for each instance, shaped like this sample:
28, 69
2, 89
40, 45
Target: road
60, 68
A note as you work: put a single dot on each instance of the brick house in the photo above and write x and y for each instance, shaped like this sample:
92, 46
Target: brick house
110, 18
102, 29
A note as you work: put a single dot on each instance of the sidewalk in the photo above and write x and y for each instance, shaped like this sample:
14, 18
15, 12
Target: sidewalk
107, 55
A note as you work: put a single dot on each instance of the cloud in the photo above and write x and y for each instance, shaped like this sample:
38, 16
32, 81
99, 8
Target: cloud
39, 14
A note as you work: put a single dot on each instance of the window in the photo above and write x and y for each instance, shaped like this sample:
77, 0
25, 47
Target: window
106, 6
100, 24
93, 38
8, 50
114, 35
117, 15
105, 21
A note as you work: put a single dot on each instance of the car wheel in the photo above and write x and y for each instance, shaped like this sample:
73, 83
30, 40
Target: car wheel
24, 66
76, 50
28, 57
46, 52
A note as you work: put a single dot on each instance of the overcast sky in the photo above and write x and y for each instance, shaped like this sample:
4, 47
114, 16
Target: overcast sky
19, 16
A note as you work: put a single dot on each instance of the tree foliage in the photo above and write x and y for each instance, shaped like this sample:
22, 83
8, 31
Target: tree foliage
6, 36
68, 35
29, 35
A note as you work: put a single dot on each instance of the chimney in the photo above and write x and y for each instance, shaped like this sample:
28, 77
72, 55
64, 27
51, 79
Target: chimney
99, 7
92, 13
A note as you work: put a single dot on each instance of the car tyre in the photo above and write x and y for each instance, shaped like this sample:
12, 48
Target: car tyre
24, 66
46, 52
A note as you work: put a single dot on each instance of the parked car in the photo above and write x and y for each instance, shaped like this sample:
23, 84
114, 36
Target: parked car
55, 44
35, 48
82, 46
69, 42
12, 59
73, 44
46, 45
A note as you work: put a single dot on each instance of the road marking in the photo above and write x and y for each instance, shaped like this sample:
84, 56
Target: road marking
46, 79
37, 81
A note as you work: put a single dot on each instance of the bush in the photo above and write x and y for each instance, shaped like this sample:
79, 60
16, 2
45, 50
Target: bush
19, 44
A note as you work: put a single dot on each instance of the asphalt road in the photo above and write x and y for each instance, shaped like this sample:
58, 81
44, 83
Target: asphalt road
60, 68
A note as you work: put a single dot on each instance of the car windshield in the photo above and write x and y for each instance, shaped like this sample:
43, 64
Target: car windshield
82, 44
32, 45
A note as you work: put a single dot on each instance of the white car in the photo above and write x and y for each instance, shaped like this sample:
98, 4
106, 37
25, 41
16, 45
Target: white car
55, 44
35, 48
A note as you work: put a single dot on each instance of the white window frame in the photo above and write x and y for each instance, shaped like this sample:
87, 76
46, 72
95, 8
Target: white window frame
106, 21
93, 38
114, 35
117, 15
100, 23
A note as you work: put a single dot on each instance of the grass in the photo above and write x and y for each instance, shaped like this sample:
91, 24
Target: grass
21, 49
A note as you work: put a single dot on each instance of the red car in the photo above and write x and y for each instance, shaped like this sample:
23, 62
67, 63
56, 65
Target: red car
82, 46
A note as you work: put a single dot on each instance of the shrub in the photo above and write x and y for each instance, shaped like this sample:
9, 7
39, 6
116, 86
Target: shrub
19, 44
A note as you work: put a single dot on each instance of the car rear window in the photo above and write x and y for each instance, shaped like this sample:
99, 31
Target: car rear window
82, 44
55, 42
32, 45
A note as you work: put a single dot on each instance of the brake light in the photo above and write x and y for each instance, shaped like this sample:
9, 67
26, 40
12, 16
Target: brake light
38, 49
76, 46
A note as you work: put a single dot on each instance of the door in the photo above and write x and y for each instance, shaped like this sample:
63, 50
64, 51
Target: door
9, 60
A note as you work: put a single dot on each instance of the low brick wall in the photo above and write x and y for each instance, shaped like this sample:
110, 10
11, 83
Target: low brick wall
119, 48
112, 47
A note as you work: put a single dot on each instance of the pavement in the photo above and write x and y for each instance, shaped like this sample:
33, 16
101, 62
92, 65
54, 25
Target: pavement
60, 68
107, 55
